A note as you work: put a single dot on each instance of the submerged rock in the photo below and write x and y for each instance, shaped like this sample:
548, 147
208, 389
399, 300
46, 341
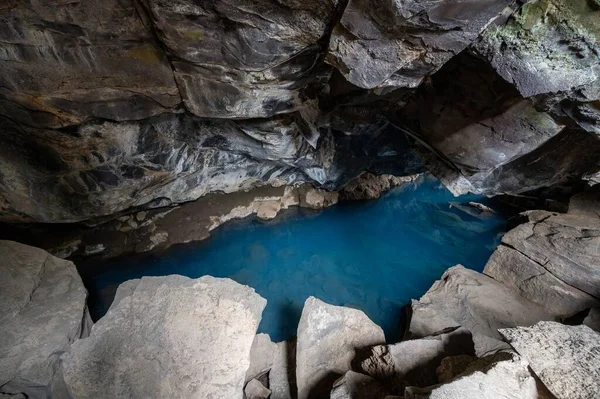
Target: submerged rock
502, 379
168, 337
42, 312
330, 338
565, 358
463, 297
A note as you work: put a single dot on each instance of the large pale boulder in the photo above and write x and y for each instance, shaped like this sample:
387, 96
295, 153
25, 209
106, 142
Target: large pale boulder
508, 379
42, 311
168, 337
565, 358
329, 340
463, 297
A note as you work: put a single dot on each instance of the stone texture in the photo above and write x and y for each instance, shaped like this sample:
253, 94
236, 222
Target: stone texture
354, 385
536, 283
503, 379
330, 338
398, 44
168, 337
262, 355
565, 358
592, 320
314, 198
414, 362
369, 186
282, 377
42, 312
255, 390
452, 366
463, 297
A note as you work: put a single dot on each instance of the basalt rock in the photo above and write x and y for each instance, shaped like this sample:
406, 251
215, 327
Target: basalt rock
42, 312
168, 337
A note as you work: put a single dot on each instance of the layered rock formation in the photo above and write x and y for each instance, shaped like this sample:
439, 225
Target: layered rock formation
43, 311
133, 105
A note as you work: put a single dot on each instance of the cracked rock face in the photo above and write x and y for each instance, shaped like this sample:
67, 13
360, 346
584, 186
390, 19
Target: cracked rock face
168, 337
565, 358
42, 312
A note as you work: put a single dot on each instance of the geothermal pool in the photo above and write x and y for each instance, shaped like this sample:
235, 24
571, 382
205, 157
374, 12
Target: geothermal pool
373, 255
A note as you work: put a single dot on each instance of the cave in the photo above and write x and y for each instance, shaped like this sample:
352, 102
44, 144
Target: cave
353, 199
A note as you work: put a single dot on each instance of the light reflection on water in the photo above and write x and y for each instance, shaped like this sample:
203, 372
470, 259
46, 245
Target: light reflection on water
373, 255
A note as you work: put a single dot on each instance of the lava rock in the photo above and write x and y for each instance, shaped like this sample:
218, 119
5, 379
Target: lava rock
168, 337
330, 338
463, 297
354, 385
565, 358
503, 379
42, 312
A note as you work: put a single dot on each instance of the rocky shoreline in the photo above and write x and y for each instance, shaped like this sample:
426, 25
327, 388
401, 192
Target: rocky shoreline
506, 332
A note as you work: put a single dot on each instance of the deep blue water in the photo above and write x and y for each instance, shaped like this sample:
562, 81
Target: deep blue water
373, 255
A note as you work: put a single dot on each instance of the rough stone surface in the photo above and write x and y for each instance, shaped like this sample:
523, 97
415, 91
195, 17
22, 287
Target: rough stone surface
463, 297
354, 385
397, 44
452, 366
262, 355
330, 338
282, 377
504, 379
255, 390
368, 186
168, 337
592, 320
42, 312
565, 358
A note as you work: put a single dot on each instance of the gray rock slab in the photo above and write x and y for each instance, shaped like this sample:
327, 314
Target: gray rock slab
463, 297
255, 390
329, 339
168, 337
262, 355
42, 312
565, 358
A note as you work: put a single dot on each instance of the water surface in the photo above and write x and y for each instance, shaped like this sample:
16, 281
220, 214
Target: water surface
374, 256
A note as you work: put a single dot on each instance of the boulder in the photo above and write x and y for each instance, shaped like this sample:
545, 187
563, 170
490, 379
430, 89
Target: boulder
330, 338
42, 312
463, 297
536, 283
503, 379
592, 320
282, 377
369, 186
256, 390
262, 355
314, 198
354, 385
452, 366
414, 362
168, 337
565, 358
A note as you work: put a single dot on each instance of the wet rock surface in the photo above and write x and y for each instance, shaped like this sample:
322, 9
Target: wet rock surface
42, 312
565, 358
192, 338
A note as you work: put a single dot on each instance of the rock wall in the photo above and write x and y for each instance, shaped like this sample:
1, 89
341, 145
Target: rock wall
135, 104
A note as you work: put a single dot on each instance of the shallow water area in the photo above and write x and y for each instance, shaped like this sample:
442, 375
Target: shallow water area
372, 255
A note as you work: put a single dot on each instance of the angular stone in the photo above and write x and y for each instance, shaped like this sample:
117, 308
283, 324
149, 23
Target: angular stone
314, 198
168, 337
504, 379
536, 283
330, 338
42, 312
452, 366
65, 63
592, 320
255, 390
262, 355
565, 358
369, 186
398, 44
463, 297
282, 377
354, 385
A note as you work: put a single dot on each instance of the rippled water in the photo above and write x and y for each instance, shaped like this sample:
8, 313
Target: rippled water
373, 255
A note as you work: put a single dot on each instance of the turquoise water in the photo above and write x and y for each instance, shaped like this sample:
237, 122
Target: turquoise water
374, 256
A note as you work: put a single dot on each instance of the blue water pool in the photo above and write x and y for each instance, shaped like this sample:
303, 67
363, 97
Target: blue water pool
373, 255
